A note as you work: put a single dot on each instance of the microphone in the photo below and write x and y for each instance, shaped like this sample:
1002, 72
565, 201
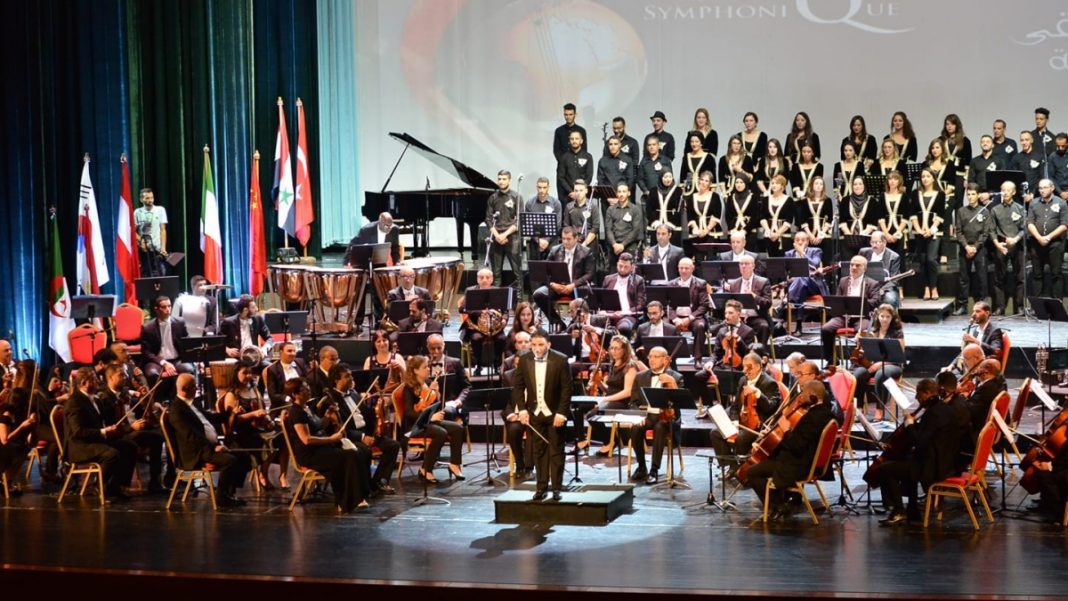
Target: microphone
428, 182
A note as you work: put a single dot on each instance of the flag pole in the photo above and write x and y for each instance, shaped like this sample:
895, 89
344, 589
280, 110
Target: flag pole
285, 235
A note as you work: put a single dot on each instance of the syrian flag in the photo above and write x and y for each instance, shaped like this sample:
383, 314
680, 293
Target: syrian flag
305, 212
126, 258
59, 320
92, 265
210, 232
282, 188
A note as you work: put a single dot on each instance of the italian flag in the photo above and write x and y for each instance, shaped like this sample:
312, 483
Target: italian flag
59, 320
210, 233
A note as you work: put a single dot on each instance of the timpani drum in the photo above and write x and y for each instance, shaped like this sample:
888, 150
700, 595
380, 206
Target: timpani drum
224, 373
337, 289
439, 275
288, 282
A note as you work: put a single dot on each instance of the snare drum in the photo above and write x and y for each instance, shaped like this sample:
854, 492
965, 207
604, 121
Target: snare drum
224, 373
288, 282
441, 276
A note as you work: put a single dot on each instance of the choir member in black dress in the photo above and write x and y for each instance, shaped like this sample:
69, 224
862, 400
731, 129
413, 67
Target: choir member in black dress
665, 206
903, 136
754, 141
889, 160
928, 214
703, 210
937, 160
800, 133
864, 145
696, 161
742, 209
777, 218
804, 170
851, 165
958, 151
771, 164
857, 216
734, 164
815, 215
702, 126
893, 212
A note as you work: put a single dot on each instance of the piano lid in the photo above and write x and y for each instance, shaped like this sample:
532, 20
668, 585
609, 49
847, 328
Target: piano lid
469, 176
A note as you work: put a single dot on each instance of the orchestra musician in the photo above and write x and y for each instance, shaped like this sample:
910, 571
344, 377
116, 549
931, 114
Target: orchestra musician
664, 252
760, 288
859, 214
543, 388
766, 396
13, 447
738, 250
1007, 240
160, 343
90, 440
249, 427
385, 357
318, 375
361, 427
887, 324
855, 284
1052, 479
315, 448
587, 331
469, 332
287, 367
934, 442
891, 264
542, 202
631, 289
792, 458
800, 134
524, 322
754, 141
864, 146
653, 327
406, 289
989, 384
666, 207
40, 407
522, 446
502, 219
623, 223
903, 136
801, 288
730, 334
244, 329
928, 209
380, 231
893, 212
658, 375
618, 383
703, 207
776, 217
691, 317
197, 307
735, 164
579, 261
616, 167
449, 379
434, 425
134, 422
696, 161
973, 228
419, 320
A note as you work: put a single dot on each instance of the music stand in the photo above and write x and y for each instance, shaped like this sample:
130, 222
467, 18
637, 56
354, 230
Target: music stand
92, 306
369, 256
562, 343
652, 272
548, 272
482, 299
604, 299
398, 309
712, 247
720, 271
664, 398
883, 350
490, 400
719, 302
286, 322
994, 179
876, 271
149, 289
668, 343
201, 351
412, 343
538, 225
780, 269
602, 191
669, 296
874, 185
912, 173
857, 241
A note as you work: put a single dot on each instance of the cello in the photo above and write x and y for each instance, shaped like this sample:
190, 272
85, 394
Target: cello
1048, 448
765, 446
897, 447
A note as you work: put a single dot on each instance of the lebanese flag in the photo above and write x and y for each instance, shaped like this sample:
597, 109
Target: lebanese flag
210, 232
257, 239
305, 212
59, 320
92, 265
126, 258
282, 188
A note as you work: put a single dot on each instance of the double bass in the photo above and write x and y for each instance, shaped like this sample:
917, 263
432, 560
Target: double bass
1049, 446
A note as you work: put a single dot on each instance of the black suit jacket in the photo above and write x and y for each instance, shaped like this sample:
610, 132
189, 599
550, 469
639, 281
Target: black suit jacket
643, 332
432, 325
891, 260
746, 335
981, 399
366, 410
798, 447
582, 263
397, 293
644, 379
367, 235
152, 341
762, 289
635, 290
937, 438
557, 384
991, 341
457, 385
81, 426
770, 395
192, 443
318, 382
231, 328
674, 255
276, 379
698, 296
873, 294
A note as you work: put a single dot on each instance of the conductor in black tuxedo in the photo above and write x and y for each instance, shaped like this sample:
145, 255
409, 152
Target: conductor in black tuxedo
542, 382
88, 440
377, 232
198, 443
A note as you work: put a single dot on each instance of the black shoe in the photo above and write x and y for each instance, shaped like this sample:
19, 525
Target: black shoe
895, 518
999, 312
540, 495
558, 496
778, 513
962, 310
654, 476
230, 501
156, 488
639, 475
385, 489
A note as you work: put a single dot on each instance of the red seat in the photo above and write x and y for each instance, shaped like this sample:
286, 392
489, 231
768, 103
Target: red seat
128, 320
969, 483
85, 340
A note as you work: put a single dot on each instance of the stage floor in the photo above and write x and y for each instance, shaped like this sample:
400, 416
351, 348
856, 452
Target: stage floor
671, 543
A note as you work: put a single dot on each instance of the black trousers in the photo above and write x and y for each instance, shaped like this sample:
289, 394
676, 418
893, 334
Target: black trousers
389, 448
345, 469
727, 450
116, 459
1043, 257
893, 476
830, 329
1008, 283
927, 254
548, 458
966, 265
233, 467
661, 431
152, 441
498, 252
758, 477
439, 433
522, 450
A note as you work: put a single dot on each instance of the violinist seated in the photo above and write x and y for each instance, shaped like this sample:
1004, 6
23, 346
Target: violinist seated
245, 329
1052, 478
588, 334
384, 357
579, 261
473, 329
759, 391
631, 289
932, 443
852, 285
418, 319
361, 419
980, 331
887, 324
136, 420
448, 379
39, 407
989, 384
659, 375
733, 339
89, 440
249, 426
692, 317
420, 414
522, 450
13, 447
318, 375
614, 383
792, 458
891, 263
406, 289
970, 358
654, 326
760, 289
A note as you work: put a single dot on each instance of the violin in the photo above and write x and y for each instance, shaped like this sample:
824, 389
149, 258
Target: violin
731, 358
966, 384
427, 397
748, 417
668, 413
597, 374
1048, 448
857, 356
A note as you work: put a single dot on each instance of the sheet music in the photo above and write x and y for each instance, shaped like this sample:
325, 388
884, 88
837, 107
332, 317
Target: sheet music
872, 434
899, 397
722, 421
1038, 391
1005, 431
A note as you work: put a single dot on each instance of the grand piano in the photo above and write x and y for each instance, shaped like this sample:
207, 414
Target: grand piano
419, 207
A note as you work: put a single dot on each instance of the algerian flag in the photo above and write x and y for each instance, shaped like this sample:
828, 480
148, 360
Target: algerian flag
59, 320
210, 232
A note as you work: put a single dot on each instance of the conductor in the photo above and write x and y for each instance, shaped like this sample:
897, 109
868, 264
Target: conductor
542, 385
